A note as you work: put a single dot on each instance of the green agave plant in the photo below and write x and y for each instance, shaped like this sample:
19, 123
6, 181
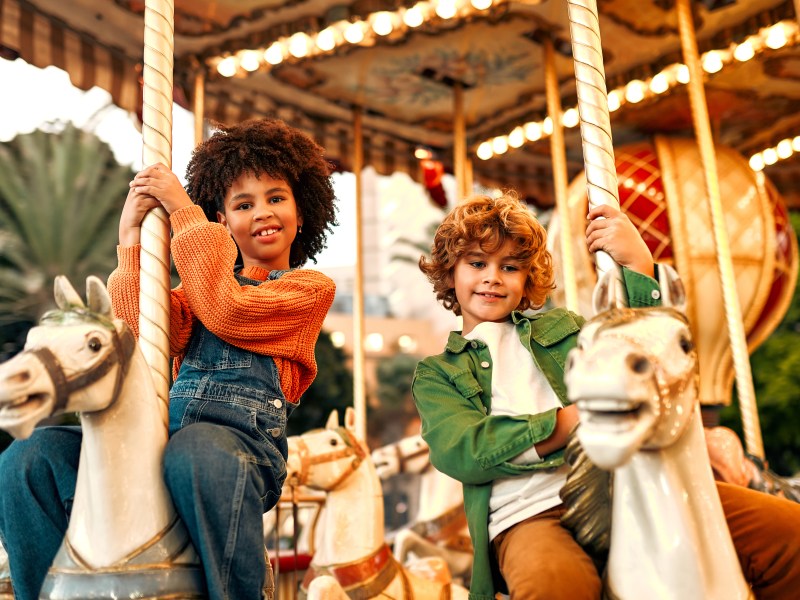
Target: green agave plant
61, 195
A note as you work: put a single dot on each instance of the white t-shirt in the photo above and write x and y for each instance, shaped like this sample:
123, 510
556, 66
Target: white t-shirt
518, 387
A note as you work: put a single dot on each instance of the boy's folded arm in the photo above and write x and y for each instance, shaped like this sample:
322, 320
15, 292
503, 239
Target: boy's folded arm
467, 444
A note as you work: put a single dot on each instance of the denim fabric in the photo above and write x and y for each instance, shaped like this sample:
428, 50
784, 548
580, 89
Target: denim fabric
224, 466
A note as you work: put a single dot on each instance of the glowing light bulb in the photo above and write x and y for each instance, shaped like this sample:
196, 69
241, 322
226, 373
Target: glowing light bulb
326, 39
481, 4
354, 33
382, 23
744, 51
776, 37
757, 162
634, 91
446, 9
227, 67
770, 156
796, 143
484, 151
274, 54
570, 118
682, 74
533, 131
712, 62
614, 100
784, 149
547, 126
298, 44
516, 137
250, 60
413, 17
500, 144
660, 83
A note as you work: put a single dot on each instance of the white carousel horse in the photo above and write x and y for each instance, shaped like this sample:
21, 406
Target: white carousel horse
440, 526
634, 376
123, 526
352, 558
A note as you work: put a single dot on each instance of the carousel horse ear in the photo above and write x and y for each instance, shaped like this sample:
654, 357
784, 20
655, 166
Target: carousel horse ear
350, 419
609, 292
672, 291
65, 294
333, 420
97, 297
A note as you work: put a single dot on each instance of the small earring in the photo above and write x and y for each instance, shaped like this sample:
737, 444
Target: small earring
299, 229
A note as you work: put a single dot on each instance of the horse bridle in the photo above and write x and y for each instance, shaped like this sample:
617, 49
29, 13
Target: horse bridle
124, 344
351, 448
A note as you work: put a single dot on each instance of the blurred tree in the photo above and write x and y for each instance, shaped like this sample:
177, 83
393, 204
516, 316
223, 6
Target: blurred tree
61, 195
331, 390
776, 378
390, 421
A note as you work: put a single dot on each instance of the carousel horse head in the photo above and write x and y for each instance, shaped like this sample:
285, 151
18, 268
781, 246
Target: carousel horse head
76, 356
633, 375
408, 455
322, 459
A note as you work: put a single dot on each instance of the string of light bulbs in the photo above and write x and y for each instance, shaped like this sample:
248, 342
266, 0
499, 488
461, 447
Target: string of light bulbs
359, 31
781, 34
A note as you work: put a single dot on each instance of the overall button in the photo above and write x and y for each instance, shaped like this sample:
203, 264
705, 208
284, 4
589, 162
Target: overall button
275, 432
655, 294
277, 403
485, 364
474, 344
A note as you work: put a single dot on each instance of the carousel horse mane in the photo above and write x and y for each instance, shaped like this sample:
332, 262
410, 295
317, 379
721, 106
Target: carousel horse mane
587, 499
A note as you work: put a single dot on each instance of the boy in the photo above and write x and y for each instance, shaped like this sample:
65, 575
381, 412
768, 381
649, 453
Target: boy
495, 414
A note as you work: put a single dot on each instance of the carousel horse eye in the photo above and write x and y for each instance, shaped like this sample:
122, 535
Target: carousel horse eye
334, 442
94, 344
686, 344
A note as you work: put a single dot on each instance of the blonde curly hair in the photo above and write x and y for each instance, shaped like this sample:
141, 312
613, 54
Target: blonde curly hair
489, 223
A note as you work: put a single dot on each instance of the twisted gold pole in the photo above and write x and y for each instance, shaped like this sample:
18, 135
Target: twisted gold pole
730, 297
598, 149
558, 154
359, 359
157, 136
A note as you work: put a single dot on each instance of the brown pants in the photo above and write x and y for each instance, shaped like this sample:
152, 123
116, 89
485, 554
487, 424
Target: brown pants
539, 559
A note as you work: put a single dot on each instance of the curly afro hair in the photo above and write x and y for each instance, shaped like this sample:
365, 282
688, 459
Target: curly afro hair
269, 147
490, 222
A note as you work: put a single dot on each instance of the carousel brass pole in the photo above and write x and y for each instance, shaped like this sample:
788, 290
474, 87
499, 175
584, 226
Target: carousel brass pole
157, 139
199, 105
598, 149
558, 155
733, 312
459, 141
359, 387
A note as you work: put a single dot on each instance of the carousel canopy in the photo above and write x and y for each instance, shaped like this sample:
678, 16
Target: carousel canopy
311, 62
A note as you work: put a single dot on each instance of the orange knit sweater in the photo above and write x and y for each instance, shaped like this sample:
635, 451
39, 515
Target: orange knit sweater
280, 318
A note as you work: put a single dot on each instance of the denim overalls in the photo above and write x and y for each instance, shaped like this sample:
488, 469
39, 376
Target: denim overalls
225, 462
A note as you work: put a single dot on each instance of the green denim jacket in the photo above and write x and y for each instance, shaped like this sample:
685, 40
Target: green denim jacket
452, 391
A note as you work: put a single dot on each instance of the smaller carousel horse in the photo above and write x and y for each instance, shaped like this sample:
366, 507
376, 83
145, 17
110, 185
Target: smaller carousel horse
634, 376
124, 537
352, 559
440, 526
